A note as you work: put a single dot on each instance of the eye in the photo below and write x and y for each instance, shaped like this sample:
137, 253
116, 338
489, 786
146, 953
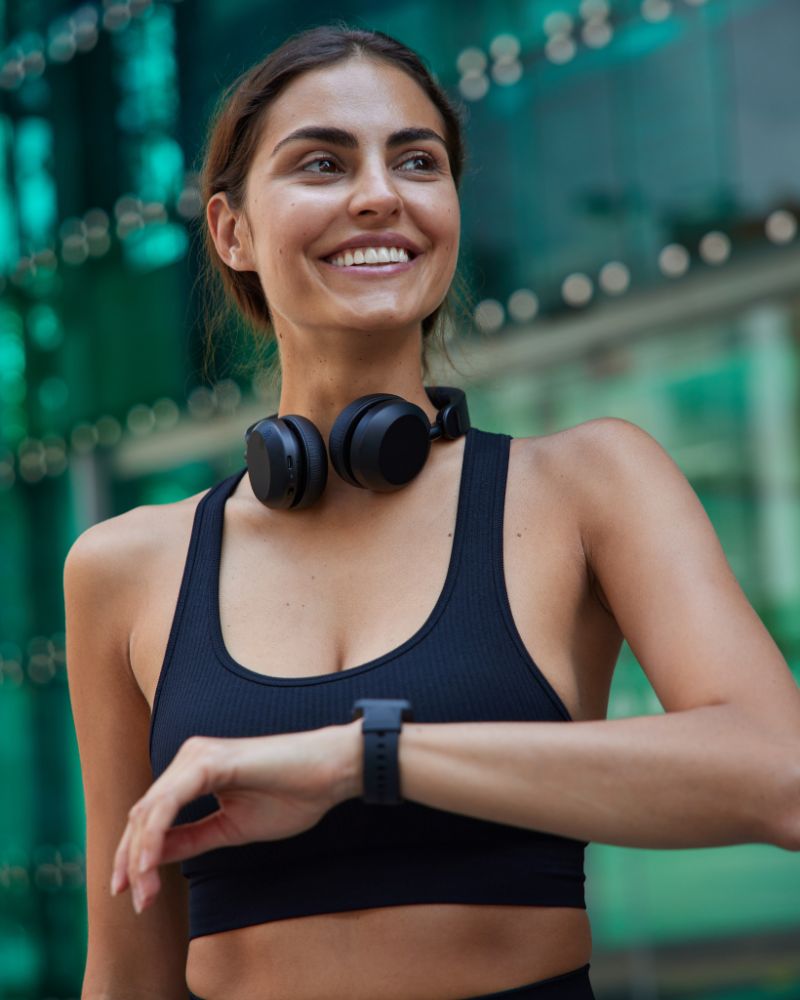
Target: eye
319, 159
429, 163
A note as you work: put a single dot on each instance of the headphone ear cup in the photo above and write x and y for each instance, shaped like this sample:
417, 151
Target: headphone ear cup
340, 437
286, 462
381, 442
315, 464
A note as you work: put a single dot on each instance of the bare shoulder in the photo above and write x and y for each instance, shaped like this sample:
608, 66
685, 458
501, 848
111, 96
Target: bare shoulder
113, 549
622, 478
591, 443
592, 475
117, 557
613, 438
592, 464
120, 569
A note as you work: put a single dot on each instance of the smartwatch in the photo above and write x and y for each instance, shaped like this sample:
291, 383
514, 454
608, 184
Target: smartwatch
383, 720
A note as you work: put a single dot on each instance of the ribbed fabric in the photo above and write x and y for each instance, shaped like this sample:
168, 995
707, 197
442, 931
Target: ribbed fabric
466, 663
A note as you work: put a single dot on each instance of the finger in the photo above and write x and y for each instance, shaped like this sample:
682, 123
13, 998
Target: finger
143, 889
146, 889
191, 839
179, 843
119, 868
137, 819
142, 873
190, 775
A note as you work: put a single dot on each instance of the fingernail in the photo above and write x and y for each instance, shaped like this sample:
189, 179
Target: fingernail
137, 899
116, 882
144, 861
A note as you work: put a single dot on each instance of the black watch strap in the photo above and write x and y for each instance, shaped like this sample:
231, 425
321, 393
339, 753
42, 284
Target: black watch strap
383, 720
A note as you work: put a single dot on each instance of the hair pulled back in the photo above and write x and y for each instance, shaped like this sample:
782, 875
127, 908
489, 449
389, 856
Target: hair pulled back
232, 141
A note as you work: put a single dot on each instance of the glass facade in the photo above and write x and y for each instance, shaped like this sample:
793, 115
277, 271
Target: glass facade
630, 210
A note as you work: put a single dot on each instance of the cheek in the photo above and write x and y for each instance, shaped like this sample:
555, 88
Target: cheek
292, 227
450, 231
450, 222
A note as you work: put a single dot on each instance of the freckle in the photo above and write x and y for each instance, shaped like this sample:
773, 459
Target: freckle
287, 604
519, 535
449, 534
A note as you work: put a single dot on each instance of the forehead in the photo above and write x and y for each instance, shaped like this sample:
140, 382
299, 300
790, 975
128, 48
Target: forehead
366, 96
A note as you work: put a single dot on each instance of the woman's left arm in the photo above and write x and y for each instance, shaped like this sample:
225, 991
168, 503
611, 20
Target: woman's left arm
721, 766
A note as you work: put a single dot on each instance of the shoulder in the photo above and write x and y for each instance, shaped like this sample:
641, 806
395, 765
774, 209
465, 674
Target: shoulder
112, 556
114, 575
596, 464
593, 442
617, 491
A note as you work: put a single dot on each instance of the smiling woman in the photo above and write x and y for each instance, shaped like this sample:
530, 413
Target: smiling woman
430, 151
299, 196
436, 853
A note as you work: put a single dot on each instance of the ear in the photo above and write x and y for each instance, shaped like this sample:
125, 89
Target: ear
230, 233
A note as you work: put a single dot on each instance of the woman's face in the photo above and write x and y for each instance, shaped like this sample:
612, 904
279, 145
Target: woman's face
365, 183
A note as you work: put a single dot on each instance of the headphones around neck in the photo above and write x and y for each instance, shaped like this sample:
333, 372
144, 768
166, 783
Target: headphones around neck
378, 442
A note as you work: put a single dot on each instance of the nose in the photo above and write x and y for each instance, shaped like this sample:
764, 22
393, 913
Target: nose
374, 190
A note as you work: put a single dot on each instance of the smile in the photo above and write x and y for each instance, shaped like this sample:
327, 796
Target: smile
357, 262
356, 256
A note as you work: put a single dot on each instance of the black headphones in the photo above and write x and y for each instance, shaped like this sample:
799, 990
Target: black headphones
378, 442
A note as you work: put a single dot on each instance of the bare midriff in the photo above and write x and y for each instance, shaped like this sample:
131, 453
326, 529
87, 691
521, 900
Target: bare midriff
443, 950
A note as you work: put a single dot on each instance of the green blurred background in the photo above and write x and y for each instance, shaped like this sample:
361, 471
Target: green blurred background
630, 238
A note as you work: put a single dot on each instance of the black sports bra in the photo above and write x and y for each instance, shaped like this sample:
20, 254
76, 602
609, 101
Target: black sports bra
466, 663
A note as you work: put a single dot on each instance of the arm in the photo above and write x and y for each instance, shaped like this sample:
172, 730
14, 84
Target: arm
721, 766
128, 959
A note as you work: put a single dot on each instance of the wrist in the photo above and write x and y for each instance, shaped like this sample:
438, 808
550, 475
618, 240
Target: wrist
348, 779
381, 725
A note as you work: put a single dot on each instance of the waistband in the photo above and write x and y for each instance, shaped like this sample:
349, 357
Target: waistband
573, 985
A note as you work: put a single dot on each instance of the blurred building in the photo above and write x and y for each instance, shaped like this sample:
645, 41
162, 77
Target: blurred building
630, 214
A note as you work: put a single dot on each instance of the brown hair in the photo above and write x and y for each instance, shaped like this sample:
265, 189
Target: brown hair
231, 142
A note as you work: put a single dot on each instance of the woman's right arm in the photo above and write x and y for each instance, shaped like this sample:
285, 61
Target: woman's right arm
129, 957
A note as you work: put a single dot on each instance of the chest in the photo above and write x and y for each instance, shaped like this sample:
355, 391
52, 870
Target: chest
304, 603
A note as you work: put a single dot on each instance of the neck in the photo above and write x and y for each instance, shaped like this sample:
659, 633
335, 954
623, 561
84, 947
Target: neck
319, 385
319, 379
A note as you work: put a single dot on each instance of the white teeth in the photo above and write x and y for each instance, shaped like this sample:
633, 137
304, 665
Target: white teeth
370, 255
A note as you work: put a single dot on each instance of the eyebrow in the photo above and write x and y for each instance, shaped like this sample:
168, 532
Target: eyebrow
341, 137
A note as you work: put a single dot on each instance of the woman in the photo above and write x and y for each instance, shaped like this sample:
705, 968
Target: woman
254, 627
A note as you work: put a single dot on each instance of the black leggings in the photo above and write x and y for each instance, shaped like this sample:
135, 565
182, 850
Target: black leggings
573, 985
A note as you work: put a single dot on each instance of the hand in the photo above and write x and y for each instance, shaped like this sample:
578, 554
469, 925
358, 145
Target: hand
268, 787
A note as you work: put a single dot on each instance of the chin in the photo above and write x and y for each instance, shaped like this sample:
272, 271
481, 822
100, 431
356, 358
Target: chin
383, 319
